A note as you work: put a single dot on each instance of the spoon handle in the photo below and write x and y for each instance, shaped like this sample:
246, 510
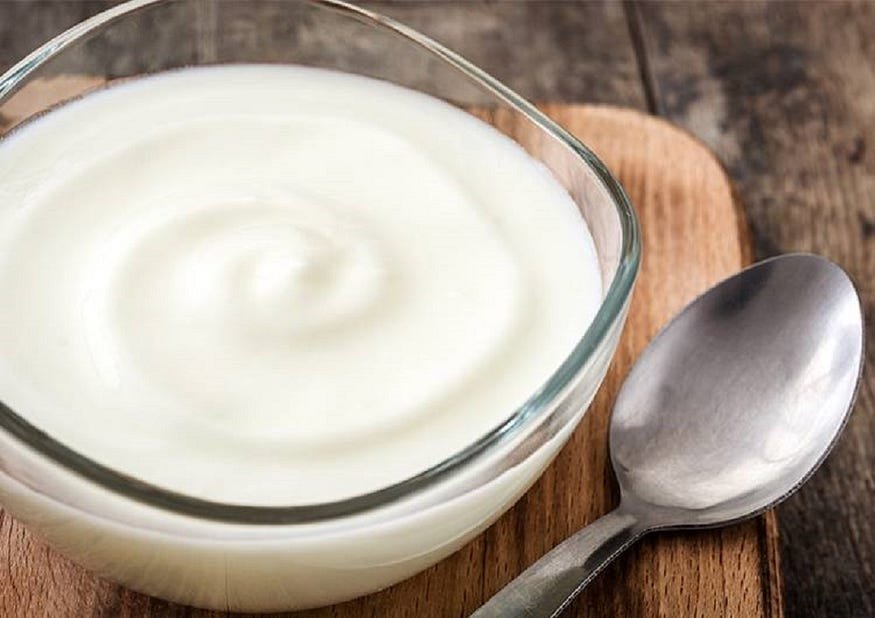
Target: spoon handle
546, 587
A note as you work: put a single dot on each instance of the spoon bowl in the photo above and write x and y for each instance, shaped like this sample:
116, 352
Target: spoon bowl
727, 412
738, 400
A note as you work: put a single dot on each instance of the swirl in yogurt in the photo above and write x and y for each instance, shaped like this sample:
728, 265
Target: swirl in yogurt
276, 285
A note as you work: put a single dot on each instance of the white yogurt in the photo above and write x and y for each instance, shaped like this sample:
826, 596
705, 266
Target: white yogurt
279, 285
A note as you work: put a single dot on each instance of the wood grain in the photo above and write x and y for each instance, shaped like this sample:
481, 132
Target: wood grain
693, 236
546, 50
783, 92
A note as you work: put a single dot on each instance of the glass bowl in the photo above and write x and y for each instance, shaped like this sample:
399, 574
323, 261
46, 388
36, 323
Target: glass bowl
256, 558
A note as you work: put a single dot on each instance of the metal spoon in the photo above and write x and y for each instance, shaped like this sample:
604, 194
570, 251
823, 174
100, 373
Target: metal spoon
726, 413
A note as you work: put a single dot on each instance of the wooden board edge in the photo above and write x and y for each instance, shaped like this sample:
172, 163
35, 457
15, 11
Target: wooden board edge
767, 523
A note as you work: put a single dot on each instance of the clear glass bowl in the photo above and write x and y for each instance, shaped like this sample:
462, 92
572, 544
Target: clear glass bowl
240, 557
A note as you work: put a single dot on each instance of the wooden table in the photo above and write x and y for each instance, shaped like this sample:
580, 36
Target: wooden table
785, 95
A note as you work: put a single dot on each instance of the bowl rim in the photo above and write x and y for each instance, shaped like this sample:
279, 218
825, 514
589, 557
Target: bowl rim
610, 311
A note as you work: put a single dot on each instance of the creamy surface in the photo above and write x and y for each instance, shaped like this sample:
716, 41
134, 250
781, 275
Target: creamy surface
279, 285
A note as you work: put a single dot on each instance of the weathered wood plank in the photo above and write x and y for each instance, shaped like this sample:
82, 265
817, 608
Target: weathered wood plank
549, 50
784, 94
24, 25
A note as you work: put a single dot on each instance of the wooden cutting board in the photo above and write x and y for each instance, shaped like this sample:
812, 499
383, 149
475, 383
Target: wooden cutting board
694, 235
